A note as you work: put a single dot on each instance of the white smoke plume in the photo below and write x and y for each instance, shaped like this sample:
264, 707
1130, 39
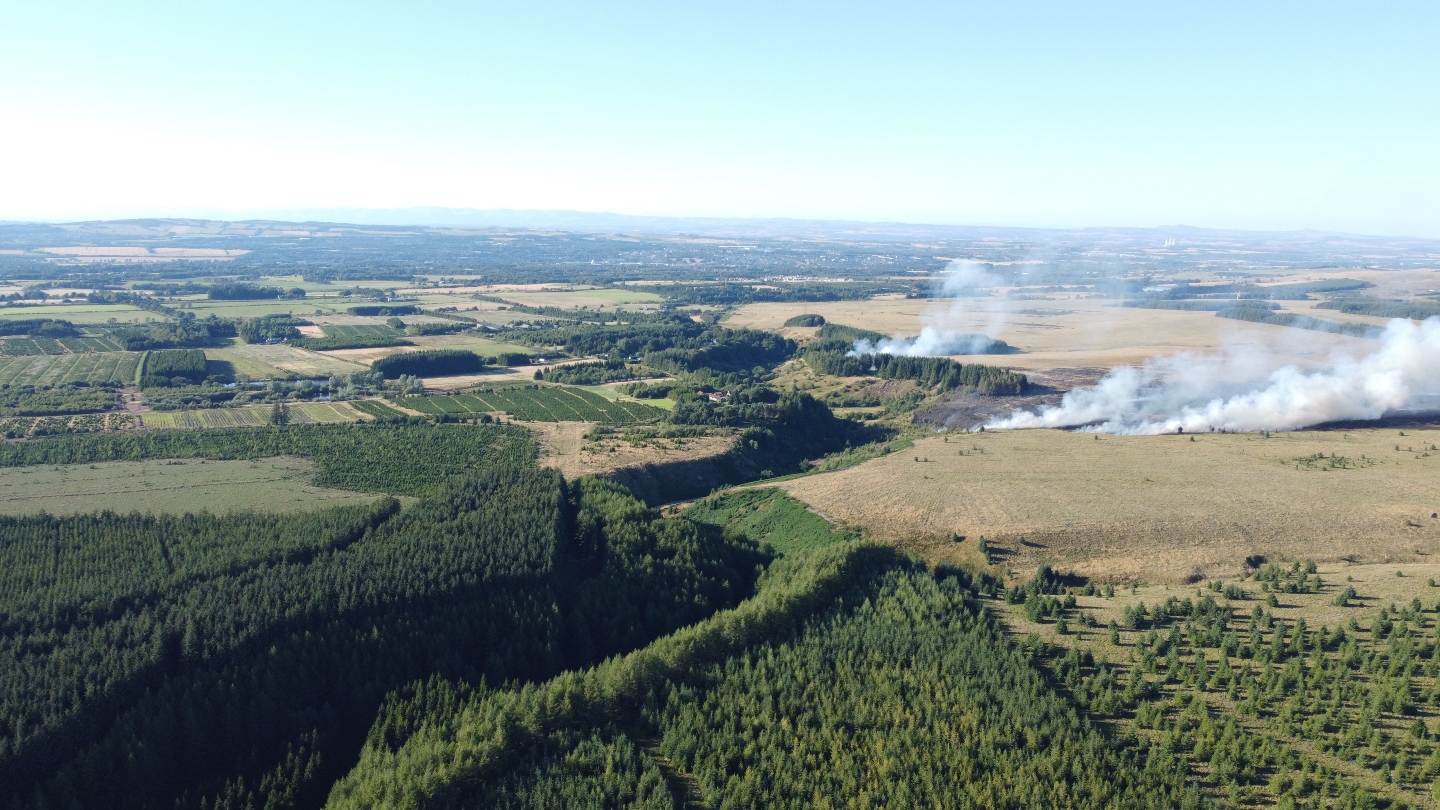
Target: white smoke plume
965, 285
1249, 392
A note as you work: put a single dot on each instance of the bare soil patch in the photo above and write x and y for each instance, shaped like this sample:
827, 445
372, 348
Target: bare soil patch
563, 447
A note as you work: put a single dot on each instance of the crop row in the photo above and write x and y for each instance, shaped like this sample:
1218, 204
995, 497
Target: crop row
365, 330
96, 367
31, 347
307, 413
375, 408
536, 403
20, 427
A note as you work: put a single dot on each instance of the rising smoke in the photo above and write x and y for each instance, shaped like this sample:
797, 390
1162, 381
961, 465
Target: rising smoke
1248, 391
966, 286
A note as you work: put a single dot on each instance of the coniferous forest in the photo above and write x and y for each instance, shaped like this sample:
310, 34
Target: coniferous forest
205, 661
485, 633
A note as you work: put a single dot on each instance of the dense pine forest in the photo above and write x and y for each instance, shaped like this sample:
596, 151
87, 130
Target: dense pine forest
236, 661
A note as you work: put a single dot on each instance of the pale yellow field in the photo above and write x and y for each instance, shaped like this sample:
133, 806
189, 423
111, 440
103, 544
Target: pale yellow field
1095, 334
1156, 509
259, 361
346, 319
592, 299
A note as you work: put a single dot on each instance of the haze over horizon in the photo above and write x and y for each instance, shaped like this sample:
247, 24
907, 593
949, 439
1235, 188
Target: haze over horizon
1282, 118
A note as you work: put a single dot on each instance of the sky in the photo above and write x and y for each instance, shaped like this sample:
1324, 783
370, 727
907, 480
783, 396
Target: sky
1246, 115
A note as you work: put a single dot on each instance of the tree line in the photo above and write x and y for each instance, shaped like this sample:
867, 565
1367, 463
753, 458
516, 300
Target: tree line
429, 363
930, 372
670, 342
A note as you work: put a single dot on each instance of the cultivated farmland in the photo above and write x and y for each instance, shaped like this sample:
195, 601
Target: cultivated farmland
368, 330
535, 403
301, 414
27, 347
54, 369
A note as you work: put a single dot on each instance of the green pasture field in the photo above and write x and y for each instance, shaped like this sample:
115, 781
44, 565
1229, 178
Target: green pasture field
82, 313
768, 515
257, 415
607, 391
53, 369
280, 484
29, 347
549, 403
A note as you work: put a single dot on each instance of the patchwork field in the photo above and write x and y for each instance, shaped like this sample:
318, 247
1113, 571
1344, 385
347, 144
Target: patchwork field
538, 404
53, 369
1065, 331
1153, 509
267, 485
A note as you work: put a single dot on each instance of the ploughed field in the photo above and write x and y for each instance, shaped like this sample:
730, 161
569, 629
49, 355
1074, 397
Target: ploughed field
1152, 508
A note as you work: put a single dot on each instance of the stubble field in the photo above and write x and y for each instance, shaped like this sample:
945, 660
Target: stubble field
1067, 331
1153, 509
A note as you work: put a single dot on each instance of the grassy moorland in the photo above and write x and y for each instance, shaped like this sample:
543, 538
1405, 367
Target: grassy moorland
1156, 508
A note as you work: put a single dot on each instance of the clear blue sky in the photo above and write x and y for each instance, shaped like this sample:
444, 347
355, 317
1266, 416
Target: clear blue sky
1253, 115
